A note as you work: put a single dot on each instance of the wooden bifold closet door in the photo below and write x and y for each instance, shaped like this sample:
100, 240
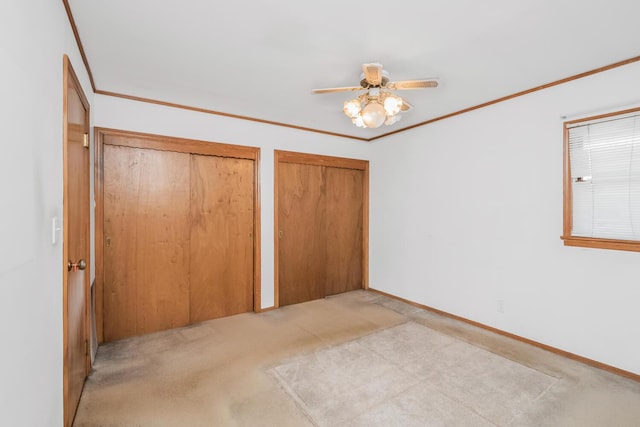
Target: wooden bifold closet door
321, 211
221, 237
302, 247
146, 228
343, 230
178, 238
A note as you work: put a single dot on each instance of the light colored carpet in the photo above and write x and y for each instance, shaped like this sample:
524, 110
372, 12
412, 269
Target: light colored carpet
411, 375
223, 373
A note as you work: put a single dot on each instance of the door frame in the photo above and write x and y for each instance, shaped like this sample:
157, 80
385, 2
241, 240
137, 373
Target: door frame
281, 156
70, 78
175, 144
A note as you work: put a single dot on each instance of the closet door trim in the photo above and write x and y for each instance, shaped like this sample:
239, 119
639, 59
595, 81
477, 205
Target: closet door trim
319, 160
329, 161
106, 136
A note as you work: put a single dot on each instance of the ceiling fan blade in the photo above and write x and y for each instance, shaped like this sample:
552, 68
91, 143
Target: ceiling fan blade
338, 89
406, 106
373, 73
412, 84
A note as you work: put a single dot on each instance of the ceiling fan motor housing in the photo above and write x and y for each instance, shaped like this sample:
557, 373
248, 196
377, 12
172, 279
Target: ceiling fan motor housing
365, 84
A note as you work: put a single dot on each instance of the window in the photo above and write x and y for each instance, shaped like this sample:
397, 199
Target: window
602, 181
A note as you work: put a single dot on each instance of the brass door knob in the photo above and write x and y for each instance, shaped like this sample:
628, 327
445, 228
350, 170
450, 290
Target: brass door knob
80, 265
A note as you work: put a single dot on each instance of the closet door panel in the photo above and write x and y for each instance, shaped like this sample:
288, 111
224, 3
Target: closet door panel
301, 210
222, 205
146, 241
343, 232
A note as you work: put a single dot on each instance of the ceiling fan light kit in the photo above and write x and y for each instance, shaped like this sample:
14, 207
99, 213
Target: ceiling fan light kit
373, 114
374, 109
378, 105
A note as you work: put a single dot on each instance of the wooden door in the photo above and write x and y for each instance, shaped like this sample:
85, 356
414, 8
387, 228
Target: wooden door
222, 205
146, 240
301, 240
321, 219
178, 220
343, 230
76, 242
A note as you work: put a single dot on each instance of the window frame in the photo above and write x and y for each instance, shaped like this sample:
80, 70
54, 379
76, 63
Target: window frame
587, 242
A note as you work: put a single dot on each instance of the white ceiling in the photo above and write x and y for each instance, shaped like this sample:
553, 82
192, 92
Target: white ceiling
261, 59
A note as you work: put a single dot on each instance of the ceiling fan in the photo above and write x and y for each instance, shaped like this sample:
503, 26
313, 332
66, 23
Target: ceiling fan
378, 105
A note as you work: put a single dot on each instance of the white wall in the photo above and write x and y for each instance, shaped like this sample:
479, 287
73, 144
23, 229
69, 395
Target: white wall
34, 35
468, 211
129, 115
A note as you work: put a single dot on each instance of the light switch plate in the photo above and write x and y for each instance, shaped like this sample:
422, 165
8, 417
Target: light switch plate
55, 229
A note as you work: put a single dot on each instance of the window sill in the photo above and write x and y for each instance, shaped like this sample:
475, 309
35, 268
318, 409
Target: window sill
588, 242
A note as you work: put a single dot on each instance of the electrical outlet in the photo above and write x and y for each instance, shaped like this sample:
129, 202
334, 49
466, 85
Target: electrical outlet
500, 306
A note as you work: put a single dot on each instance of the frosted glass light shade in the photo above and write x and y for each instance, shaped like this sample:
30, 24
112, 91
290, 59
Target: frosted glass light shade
392, 119
352, 108
392, 104
373, 115
358, 121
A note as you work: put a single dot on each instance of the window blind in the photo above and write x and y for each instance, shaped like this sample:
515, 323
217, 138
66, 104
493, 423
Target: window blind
605, 178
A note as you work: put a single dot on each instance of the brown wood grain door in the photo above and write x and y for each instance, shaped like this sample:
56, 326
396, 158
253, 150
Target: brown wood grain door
222, 205
146, 240
301, 221
320, 229
76, 243
343, 230
178, 233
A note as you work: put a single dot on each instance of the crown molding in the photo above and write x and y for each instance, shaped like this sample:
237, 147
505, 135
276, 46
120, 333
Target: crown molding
220, 113
515, 95
76, 34
320, 131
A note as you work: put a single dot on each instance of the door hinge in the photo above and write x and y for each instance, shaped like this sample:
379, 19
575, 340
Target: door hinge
85, 142
86, 347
